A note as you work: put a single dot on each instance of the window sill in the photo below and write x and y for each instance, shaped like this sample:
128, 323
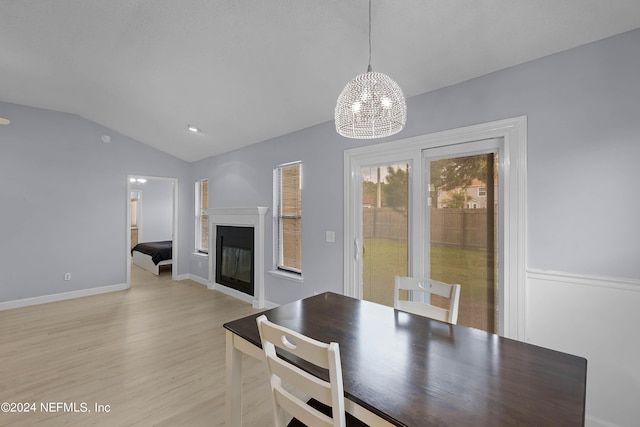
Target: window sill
200, 254
286, 275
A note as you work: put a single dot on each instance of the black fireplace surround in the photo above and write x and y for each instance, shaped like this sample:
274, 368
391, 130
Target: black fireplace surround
234, 258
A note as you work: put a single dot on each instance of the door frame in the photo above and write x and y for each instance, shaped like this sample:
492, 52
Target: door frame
175, 245
513, 171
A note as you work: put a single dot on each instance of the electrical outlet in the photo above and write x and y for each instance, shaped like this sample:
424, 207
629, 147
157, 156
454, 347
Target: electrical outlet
67, 276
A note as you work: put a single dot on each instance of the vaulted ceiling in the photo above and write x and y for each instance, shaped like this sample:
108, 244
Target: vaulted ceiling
245, 71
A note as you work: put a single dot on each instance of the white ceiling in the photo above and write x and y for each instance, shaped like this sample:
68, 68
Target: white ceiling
248, 70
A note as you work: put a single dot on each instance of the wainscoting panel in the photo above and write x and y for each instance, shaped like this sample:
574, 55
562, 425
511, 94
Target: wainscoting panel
597, 318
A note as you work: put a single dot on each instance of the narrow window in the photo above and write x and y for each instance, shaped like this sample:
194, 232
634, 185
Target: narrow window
202, 219
288, 217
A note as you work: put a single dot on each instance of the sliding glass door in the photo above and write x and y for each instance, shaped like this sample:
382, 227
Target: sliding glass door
450, 206
445, 229
462, 240
385, 229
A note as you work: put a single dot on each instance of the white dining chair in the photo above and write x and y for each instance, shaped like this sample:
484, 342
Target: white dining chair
428, 286
326, 406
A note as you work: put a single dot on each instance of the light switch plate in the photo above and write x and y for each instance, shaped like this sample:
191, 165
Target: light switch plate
330, 236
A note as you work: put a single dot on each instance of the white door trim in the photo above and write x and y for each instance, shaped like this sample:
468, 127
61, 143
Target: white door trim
175, 245
513, 169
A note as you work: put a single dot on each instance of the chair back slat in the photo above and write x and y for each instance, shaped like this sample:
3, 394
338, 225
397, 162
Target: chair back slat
428, 286
310, 384
426, 310
301, 410
297, 344
284, 374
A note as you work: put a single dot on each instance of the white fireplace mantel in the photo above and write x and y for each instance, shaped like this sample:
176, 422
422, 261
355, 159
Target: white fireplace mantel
240, 217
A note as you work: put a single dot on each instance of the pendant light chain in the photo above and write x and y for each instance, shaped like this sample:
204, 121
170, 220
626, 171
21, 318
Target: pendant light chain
369, 67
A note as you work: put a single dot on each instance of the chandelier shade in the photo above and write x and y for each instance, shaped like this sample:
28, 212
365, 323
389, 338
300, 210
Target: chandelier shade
371, 105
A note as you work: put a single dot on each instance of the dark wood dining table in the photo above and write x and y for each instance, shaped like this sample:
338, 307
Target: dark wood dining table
406, 370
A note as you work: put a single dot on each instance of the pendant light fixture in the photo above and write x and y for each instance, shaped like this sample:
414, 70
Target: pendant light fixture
371, 105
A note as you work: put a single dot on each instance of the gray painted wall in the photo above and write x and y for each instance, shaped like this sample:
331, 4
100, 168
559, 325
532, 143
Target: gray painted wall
58, 181
64, 196
582, 107
583, 151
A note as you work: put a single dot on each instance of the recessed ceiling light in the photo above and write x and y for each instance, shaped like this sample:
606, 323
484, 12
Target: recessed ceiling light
4, 121
192, 128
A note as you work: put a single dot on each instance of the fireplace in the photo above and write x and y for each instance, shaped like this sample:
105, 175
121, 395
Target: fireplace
251, 218
234, 257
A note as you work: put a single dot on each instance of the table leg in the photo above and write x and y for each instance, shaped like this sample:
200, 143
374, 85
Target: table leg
234, 383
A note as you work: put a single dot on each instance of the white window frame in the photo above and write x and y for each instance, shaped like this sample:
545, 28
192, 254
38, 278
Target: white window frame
513, 173
198, 217
277, 270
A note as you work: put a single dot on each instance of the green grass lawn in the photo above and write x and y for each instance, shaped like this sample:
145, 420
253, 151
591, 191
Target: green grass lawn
385, 258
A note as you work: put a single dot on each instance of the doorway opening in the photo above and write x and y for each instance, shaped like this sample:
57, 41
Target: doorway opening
156, 218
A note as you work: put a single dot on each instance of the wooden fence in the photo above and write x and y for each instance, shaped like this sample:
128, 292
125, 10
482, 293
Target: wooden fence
465, 228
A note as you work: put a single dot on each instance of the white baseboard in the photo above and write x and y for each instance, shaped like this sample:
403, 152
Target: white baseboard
269, 305
196, 279
597, 422
189, 276
231, 292
25, 302
179, 277
239, 295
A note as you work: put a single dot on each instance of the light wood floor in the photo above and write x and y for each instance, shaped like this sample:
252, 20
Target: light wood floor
155, 354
